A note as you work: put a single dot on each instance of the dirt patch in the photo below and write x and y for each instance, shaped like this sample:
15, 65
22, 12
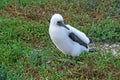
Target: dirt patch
114, 48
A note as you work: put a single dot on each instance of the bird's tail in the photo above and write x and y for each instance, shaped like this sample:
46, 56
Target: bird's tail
92, 50
91, 47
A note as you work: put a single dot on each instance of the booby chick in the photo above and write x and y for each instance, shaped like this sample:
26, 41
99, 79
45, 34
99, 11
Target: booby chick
66, 38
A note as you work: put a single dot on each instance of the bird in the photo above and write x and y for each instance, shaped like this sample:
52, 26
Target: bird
66, 38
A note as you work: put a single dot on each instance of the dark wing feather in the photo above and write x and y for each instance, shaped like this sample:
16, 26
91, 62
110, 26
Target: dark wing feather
77, 39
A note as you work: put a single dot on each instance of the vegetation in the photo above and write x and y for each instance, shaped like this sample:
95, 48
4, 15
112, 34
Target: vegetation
27, 53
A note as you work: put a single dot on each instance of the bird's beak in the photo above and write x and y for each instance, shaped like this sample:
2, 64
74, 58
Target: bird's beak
61, 23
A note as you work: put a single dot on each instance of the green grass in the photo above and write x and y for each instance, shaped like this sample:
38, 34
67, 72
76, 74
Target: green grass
27, 53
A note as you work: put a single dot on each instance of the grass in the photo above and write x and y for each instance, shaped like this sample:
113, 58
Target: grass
27, 53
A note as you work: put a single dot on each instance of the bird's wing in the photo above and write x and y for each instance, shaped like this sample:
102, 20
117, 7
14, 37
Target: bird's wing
78, 36
77, 39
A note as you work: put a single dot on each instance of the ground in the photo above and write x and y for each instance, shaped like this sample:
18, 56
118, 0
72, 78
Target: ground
26, 50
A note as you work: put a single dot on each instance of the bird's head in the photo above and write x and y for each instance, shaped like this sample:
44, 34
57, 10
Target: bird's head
58, 21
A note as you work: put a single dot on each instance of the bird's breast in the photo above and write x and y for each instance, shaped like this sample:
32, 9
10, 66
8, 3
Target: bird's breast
61, 40
58, 35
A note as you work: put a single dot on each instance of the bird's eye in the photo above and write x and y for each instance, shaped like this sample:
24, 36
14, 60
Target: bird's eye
58, 23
